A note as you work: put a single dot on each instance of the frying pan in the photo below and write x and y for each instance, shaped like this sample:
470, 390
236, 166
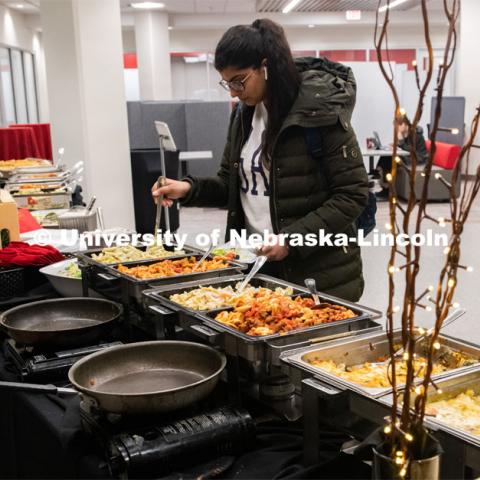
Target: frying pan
142, 378
62, 323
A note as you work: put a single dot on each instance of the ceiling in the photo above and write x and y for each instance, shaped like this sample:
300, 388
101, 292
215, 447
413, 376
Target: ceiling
244, 6
329, 5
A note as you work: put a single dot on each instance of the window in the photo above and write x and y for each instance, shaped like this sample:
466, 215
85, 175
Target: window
18, 91
30, 86
7, 104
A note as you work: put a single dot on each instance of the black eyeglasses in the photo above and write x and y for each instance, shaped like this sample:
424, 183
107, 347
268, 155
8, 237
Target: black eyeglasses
237, 85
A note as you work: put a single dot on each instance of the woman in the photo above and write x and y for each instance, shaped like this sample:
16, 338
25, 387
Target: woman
384, 164
268, 178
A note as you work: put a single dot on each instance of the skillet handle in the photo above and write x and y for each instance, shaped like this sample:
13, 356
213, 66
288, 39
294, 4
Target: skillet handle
35, 388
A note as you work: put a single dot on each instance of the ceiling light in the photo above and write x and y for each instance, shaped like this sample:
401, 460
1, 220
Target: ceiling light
147, 5
291, 5
311, 25
170, 27
393, 4
18, 5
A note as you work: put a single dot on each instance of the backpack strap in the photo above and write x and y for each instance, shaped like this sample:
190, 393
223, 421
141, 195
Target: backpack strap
366, 220
314, 141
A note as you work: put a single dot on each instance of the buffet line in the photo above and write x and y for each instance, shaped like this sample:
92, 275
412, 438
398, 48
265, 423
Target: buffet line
270, 331
325, 362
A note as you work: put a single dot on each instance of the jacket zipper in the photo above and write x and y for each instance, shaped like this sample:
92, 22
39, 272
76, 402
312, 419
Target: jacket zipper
344, 148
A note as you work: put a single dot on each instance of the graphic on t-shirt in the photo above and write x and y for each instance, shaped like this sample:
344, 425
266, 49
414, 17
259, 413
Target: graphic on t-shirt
257, 171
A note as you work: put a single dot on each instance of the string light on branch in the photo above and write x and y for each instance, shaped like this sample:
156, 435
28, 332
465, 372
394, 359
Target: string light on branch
389, 177
468, 268
429, 289
446, 250
451, 282
436, 345
388, 226
427, 308
439, 177
453, 131
440, 221
392, 269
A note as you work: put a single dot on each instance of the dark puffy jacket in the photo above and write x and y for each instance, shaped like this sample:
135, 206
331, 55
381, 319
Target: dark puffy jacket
307, 194
420, 147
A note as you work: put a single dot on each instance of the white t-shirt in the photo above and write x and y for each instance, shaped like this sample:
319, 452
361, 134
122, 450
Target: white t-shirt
254, 177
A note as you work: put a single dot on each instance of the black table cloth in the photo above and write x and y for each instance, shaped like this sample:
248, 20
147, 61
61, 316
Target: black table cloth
41, 437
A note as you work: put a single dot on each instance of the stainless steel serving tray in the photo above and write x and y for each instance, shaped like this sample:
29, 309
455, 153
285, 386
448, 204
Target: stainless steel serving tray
108, 281
345, 408
86, 257
21, 178
163, 294
451, 387
366, 349
263, 352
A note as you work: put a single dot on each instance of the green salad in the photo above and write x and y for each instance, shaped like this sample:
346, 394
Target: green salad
72, 271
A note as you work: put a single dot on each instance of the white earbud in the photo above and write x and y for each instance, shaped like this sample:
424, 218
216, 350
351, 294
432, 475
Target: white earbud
266, 73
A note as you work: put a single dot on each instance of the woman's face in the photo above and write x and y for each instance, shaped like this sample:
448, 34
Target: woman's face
248, 84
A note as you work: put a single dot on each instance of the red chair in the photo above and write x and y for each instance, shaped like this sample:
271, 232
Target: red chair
446, 154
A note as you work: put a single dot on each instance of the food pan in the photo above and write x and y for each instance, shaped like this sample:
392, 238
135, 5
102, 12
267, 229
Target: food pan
106, 278
448, 388
369, 349
261, 352
86, 257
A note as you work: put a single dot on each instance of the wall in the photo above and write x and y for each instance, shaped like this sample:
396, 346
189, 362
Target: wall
468, 68
324, 38
14, 31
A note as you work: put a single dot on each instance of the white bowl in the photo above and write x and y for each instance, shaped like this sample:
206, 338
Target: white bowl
64, 285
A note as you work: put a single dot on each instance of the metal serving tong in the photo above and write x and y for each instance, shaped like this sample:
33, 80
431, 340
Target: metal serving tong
312, 288
259, 262
448, 321
204, 257
158, 217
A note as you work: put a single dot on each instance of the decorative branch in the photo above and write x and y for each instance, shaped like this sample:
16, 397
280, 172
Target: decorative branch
413, 397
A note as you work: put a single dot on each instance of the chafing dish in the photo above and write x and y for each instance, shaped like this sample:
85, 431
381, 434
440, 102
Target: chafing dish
87, 256
42, 178
44, 201
359, 415
262, 354
451, 387
108, 281
367, 349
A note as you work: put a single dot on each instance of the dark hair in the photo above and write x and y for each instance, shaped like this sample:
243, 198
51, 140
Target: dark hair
402, 119
245, 46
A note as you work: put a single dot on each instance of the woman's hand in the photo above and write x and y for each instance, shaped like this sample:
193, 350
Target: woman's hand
274, 253
172, 190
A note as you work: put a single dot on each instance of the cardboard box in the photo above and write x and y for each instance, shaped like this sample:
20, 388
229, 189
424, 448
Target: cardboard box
9, 226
